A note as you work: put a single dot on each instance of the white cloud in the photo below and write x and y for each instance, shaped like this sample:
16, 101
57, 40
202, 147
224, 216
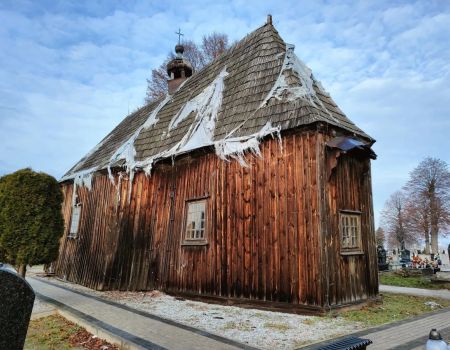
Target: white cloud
69, 72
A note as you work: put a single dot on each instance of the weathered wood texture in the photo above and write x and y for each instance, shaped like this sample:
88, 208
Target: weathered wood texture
349, 278
263, 228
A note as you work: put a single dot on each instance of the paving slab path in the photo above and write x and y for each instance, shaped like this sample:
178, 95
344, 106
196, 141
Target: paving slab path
436, 293
135, 329
140, 330
410, 334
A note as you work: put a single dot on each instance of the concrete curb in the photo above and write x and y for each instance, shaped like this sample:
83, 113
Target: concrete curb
103, 330
155, 317
99, 332
419, 292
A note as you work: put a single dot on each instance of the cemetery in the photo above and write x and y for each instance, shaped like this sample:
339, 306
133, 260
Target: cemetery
415, 269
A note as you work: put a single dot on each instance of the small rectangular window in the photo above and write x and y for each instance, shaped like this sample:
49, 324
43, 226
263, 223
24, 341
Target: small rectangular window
350, 228
195, 226
75, 221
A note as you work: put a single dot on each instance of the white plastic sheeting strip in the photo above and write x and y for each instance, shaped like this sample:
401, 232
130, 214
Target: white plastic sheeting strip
126, 151
236, 147
303, 88
206, 107
153, 116
206, 104
90, 153
80, 178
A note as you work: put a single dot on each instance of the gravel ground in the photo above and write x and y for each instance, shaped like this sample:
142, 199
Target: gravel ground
262, 329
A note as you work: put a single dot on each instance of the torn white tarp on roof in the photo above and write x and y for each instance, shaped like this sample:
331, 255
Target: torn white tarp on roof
206, 105
153, 116
205, 108
126, 151
90, 153
296, 81
80, 178
236, 147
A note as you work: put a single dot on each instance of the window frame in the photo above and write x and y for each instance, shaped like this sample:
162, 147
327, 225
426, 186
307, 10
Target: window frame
356, 249
71, 234
195, 241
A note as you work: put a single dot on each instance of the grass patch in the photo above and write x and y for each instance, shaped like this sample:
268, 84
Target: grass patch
278, 326
309, 321
394, 279
261, 315
52, 332
299, 343
395, 307
240, 326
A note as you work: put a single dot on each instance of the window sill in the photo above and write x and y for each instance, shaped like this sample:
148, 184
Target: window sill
194, 243
357, 252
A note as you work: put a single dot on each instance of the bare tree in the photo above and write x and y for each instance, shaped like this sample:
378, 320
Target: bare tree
429, 187
157, 85
380, 236
418, 218
394, 220
212, 46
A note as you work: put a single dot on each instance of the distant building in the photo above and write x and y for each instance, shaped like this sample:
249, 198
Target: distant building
246, 183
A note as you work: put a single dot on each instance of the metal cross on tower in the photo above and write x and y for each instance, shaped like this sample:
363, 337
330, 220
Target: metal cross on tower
179, 35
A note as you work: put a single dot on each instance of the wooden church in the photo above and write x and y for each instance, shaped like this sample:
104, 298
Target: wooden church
245, 184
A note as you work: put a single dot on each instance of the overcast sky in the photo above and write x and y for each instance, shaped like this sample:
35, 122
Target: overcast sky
71, 70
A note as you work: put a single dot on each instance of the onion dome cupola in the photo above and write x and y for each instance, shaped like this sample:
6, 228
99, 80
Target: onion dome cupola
178, 69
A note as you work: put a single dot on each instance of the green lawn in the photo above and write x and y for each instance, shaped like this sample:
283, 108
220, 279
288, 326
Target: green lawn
394, 307
396, 279
51, 332
56, 333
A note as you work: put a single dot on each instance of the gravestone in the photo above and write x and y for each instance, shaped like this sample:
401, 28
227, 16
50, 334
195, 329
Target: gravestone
405, 256
16, 303
382, 265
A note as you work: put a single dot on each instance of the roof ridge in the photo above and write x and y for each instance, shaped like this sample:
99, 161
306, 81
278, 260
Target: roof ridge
236, 44
257, 84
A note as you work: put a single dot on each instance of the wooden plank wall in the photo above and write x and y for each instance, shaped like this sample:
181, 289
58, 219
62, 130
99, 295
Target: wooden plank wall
95, 244
351, 278
263, 227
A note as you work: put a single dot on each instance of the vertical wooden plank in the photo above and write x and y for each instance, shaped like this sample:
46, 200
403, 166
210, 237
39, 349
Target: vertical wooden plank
291, 222
284, 289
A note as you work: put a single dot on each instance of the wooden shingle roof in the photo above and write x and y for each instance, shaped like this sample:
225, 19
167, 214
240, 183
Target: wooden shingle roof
263, 82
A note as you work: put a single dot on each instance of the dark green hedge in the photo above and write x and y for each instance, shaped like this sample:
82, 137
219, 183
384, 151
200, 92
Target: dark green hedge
31, 221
